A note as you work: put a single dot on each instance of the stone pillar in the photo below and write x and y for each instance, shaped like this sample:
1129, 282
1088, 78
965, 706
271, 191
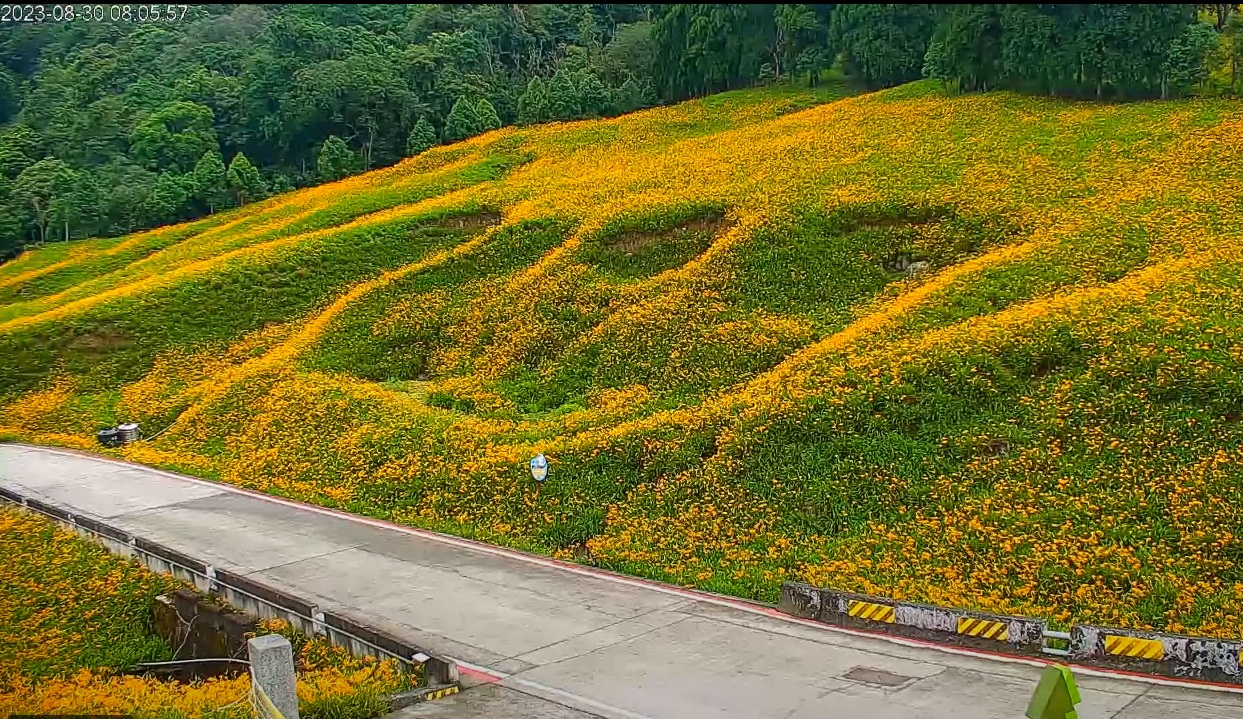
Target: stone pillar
271, 667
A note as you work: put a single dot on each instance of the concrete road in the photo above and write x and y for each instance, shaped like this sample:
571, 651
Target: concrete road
538, 639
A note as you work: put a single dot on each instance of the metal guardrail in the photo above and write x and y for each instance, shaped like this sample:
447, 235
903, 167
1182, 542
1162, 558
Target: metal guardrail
1061, 636
214, 582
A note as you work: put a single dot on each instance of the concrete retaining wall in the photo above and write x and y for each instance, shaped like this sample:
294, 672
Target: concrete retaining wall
196, 628
1153, 653
254, 598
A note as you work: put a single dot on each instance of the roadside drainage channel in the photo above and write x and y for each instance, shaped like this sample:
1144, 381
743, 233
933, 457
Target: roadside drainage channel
1128, 650
261, 601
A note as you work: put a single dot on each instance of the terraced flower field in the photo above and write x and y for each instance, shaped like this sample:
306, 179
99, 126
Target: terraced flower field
698, 313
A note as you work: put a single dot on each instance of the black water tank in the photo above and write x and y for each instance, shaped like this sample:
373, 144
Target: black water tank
108, 437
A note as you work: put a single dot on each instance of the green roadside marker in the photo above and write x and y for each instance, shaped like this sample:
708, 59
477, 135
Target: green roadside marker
1056, 695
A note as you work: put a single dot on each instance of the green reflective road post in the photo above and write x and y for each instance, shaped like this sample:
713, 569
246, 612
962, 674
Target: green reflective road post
1056, 695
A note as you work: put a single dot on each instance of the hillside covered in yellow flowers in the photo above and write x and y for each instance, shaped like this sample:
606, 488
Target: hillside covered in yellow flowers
699, 314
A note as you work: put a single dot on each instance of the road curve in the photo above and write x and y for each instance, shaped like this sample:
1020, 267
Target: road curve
540, 638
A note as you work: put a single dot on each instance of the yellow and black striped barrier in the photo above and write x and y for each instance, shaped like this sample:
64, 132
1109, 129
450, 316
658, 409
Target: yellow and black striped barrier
440, 693
984, 628
1134, 647
871, 610
1157, 653
422, 694
1173, 655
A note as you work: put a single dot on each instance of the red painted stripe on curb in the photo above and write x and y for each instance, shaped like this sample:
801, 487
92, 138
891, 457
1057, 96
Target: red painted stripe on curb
695, 594
483, 674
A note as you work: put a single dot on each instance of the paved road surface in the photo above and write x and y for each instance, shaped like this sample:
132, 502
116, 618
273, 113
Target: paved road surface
557, 642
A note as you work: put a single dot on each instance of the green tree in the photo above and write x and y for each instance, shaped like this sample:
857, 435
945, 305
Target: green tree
563, 100
628, 56
121, 205
362, 98
463, 121
169, 198
1234, 32
1185, 66
488, 119
810, 62
966, 48
939, 64
1124, 48
706, 48
279, 183
593, 96
1098, 42
174, 137
533, 104
12, 222
220, 92
244, 179
882, 45
10, 95
1115, 50
19, 146
795, 31
589, 35
44, 188
336, 159
87, 205
54, 110
211, 184
422, 137
1222, 13
629, 97
1034, 54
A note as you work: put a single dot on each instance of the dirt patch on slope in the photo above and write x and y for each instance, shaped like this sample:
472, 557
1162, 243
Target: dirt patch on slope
634, 240
472, 221
101, 340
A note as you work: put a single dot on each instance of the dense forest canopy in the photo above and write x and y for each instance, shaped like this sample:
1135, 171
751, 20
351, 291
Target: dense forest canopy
111, 127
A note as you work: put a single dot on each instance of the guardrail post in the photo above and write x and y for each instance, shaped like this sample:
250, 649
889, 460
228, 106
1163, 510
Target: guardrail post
272, 672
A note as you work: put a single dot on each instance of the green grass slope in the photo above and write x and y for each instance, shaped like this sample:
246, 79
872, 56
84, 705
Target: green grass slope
700, 314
